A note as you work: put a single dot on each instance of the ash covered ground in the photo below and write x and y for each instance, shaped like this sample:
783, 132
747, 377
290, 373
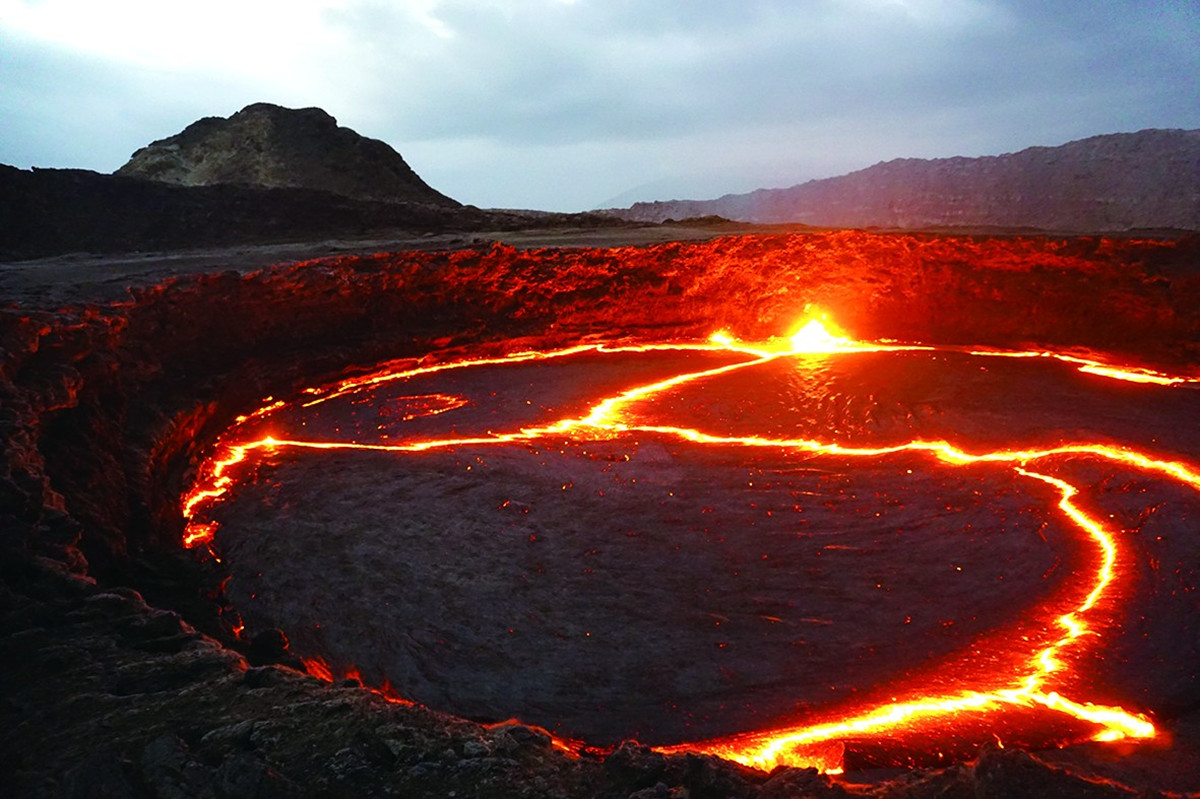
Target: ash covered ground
124, 677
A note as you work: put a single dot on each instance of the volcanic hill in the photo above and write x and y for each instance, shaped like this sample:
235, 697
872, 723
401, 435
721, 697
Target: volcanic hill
1118, 182
274, 147
265, 175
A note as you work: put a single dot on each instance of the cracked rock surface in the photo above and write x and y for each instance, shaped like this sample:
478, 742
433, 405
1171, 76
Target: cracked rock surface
120, 672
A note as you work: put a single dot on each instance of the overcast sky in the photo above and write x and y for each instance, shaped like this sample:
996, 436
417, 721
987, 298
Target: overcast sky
575, 104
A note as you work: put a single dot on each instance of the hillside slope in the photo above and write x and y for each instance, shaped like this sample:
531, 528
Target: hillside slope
1124, 181
274, 147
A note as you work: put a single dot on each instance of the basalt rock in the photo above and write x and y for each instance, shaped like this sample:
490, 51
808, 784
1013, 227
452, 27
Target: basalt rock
122, 673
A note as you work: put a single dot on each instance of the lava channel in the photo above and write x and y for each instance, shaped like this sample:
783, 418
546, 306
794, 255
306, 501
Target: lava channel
903, 466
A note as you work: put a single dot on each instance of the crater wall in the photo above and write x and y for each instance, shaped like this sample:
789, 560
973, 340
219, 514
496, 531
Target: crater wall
122, 669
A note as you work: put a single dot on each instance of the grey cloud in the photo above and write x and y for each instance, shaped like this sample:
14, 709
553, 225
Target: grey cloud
518, 102
889, 80
574, 74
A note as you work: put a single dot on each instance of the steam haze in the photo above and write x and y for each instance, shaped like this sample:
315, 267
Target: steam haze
562, 105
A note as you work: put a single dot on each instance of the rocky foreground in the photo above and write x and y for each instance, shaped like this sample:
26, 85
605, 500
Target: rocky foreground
122, 676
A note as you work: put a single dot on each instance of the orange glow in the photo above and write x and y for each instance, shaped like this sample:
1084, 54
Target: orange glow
1130, 374
565, 745
791, 746
1035, 678
318, 668
816, 337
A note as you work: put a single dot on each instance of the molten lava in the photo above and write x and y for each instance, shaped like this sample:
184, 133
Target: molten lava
1031, 676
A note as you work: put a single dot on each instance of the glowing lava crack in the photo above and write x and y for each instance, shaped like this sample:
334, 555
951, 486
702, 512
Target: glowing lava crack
1037, 677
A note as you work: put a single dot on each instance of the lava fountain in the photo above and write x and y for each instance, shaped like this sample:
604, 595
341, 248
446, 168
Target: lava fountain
902, 551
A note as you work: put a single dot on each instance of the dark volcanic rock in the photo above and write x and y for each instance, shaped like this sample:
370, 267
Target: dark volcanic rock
104, 409
265, 175
1123, 181
53, 211
274, 147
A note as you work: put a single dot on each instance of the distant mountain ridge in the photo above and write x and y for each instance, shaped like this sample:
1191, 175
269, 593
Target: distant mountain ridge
269, 146
1115, 182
